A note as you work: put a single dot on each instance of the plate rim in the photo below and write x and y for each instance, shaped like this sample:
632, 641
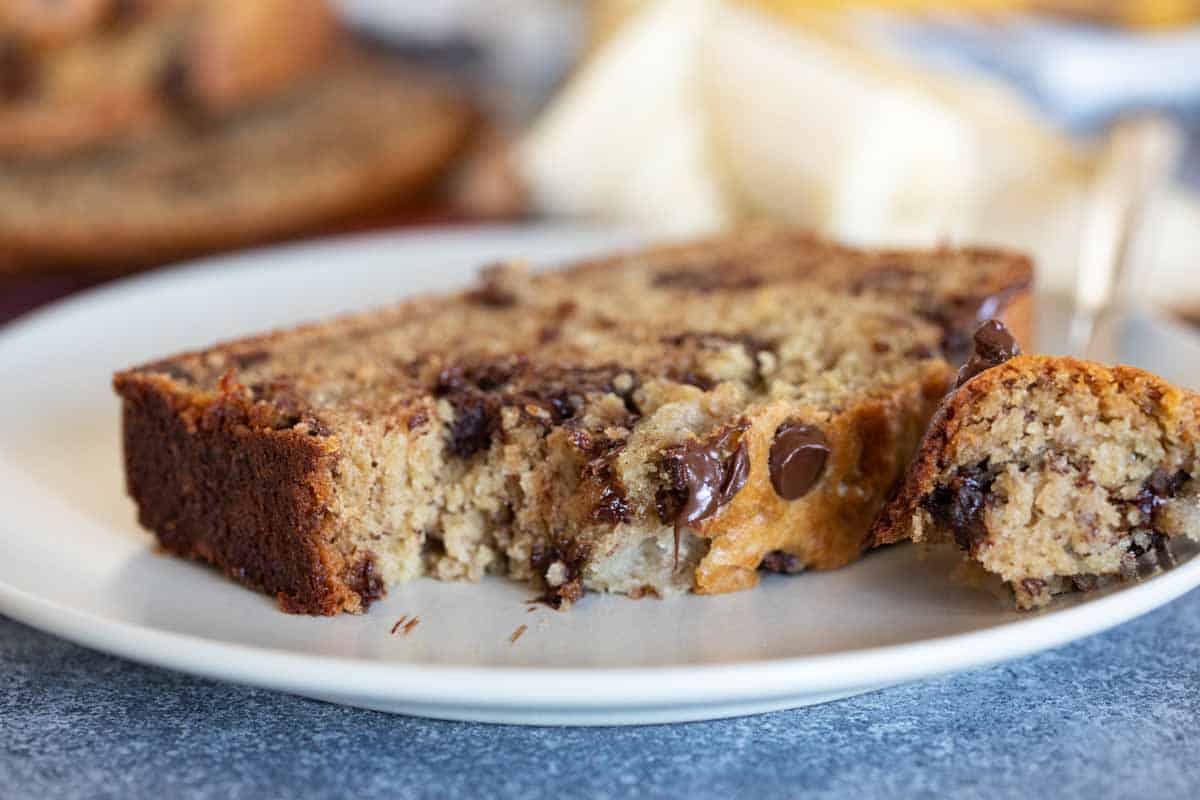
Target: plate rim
532, 688
600, 687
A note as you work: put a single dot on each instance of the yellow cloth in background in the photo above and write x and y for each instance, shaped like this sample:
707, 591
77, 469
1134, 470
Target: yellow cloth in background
1132, 13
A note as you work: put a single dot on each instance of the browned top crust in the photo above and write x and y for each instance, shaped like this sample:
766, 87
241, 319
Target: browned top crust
1177, 410
511, 313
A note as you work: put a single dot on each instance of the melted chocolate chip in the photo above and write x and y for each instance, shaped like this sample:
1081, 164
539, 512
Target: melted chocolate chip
797, 459
960, 504
709, 482
702, 480
993, 346
475, 421
782, 562
958, 316
16, 69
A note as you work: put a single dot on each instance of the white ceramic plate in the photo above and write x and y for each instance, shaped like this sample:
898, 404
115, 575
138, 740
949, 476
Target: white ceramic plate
74, 562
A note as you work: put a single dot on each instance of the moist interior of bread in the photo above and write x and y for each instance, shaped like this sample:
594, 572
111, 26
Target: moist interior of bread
519, 428
1061, 484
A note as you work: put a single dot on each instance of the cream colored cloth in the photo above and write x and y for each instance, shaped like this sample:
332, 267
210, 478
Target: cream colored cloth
702, 114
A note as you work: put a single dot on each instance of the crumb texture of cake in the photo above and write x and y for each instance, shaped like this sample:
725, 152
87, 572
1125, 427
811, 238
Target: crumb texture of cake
1054, 474
679, 418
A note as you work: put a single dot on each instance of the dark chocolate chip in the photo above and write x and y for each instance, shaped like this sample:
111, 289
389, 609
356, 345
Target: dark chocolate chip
797, 459
1161, 486
993, 346
475, 421
700, 472
958, 316
707, 480
782, 562
959, 505
612, 506
366, 581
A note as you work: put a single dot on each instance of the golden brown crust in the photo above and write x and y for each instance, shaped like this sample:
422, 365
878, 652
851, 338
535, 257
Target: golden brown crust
219, 480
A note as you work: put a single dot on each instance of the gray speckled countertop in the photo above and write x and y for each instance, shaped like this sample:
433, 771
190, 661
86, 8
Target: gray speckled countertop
1113, 716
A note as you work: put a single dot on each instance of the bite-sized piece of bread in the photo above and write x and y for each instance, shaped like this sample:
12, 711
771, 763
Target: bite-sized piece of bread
366, 132
1053, 473
75, 74
672, 419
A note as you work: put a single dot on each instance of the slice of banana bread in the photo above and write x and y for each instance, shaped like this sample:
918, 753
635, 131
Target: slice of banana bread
666, 420
1053, 473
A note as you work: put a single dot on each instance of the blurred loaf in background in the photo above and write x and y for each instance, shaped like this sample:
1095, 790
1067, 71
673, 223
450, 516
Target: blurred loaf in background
133, 132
